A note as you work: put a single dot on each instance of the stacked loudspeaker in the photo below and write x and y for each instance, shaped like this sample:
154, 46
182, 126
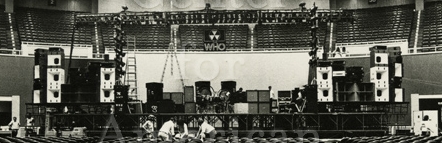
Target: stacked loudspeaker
189, 99
49, 75
379, 73
155, 101
324, 81
395, 74
95, 83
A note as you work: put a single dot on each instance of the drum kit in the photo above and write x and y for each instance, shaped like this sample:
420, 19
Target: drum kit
210, 101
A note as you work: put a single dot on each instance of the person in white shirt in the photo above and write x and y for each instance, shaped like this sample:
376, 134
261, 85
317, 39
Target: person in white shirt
14, 125
29, 124
167, 130
272, 94
206, 130
148, 126
183, 131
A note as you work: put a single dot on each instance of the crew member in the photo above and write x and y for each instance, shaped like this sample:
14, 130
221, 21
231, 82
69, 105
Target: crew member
148, 126
167, 130
14, 125
182, 128
206, 130
272, 94
29, 124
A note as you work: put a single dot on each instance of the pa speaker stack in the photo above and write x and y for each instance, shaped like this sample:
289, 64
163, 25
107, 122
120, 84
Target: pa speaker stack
379, 72
40, 75
56, 75
189, 99
121, 99
324, 81
395, 73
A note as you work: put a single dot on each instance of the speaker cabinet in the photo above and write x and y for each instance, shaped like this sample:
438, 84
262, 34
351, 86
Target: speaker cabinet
252, 95
36, 98
398, 95
107, 82
189, 94
189, 108
55, 78
154, 91
378, 56
324, 84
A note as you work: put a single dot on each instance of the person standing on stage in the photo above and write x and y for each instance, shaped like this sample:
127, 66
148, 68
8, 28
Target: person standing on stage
148, 126
272, 94
167, 130
14, 125
206, 130
29, 124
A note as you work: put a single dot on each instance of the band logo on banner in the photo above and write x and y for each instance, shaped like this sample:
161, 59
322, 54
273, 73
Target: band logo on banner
214, 40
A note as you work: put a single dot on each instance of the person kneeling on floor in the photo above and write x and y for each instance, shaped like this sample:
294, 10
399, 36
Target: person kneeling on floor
206, 130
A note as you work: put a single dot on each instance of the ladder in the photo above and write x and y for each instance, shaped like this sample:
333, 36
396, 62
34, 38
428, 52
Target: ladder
131, 68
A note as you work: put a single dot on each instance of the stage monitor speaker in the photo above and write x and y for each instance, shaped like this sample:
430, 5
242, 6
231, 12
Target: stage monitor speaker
189, 94
154, 91
229, 86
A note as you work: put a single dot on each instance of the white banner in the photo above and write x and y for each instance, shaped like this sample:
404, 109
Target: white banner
363, 48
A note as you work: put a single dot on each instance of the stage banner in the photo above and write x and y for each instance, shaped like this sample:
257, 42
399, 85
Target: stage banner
363, 48
214, 40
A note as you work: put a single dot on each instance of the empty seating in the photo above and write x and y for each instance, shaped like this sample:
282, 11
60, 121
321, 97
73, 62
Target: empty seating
50, 26
432, 24
287, 35
376, 24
